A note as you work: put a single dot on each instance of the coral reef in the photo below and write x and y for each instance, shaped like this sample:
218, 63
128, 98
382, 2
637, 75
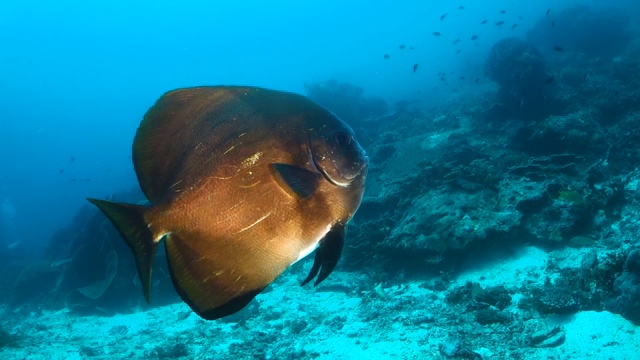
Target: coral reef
349, 103
35, 281
89, 269
627, 289
346, 100
486, 221
519, 69
6, 340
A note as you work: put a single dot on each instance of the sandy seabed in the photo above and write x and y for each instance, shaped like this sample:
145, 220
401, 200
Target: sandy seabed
333, 321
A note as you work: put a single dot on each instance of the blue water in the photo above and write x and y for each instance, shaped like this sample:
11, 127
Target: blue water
76, 77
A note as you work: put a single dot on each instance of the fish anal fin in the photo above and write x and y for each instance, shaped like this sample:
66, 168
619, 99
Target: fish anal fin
130, 223
214, 286
296, 180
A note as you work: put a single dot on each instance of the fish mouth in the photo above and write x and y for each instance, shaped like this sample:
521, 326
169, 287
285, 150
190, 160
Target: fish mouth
342, 178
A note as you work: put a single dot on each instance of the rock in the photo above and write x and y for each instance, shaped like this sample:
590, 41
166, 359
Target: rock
495, 296
421, 319
6, 340
120, 330
336, 322
589, 262
519, 69
88, 351
297, 326
40, 273
627, 289
547, 338
450, 348
249, 312
170, 351
632, 264
484, 352
454, 349
491, 316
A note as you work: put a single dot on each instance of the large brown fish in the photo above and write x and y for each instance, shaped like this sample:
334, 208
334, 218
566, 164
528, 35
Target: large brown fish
243, 182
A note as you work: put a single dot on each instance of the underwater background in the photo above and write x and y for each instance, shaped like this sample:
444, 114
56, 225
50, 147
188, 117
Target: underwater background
500, 217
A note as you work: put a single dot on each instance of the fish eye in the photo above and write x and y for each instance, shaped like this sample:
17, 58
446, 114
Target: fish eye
343, 138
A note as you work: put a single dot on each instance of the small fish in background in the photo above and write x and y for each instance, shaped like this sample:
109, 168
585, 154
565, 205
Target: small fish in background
411, 48
415, 67
474, 37
514, 26
61, 171
436, 33
387, 56
443, 16
548, 12
558, 48
456, 41
499, 23
242, 183
461, 7
72, 159
458, 52
549, 80
402, 46
553, 24
483, 22
503, 11
476, 80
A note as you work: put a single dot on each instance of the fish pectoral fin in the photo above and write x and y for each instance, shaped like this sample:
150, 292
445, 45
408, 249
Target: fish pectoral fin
296, 180
327, 254
129, 221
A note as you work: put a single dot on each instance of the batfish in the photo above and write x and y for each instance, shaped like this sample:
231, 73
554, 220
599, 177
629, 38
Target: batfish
242, 182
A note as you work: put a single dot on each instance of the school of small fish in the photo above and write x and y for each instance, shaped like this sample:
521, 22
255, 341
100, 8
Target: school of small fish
499, 23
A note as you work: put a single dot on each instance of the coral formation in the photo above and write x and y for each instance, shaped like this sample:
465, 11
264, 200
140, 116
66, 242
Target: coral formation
346, 100
557, 300
519, 69
627, 289
89, 269
350, 104
6, 340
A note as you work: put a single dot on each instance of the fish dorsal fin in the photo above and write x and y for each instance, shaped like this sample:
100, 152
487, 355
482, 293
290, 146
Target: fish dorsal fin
213, 132
159, 144
293, 179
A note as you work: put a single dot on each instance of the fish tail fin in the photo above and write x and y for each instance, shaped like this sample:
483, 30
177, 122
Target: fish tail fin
130, 222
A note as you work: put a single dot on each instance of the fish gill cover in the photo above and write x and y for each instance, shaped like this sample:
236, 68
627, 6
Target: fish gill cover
499, 219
